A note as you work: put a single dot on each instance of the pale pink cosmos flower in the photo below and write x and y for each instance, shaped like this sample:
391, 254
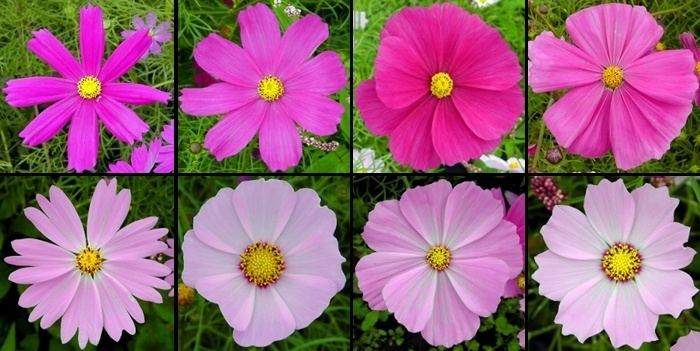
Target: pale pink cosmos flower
143, 159
689, 342
446, 87
89, 281
86, 93
166, 154
688, 41
616, 267
622, 95
268, 87
267, 256
159, 33
442, 258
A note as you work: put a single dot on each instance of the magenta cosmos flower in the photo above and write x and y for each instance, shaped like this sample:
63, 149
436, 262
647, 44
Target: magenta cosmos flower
84, 91
616, 267
515, 215
268, 87
443, 257
166, 155
159, 33
622, 95
89, 281
446, 87
689, 342
688, 41
267, 256
143, 159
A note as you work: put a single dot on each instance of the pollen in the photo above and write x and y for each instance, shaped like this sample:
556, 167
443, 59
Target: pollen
89, 261
89, 87
521, 282
697, 68
438, 257
660, 46
621, 262
262, 263
612, 77
270, 88
441, 85
185, 295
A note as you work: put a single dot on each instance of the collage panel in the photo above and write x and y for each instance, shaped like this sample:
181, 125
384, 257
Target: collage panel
438, 262
264, 262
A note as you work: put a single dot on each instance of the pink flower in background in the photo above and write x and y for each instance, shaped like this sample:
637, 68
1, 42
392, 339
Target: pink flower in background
515, 215
166, 156
442, 258
201, 77
616, 267
267, 256
159, 33
688, 41
170, 252
85, 91
268, 87
446, 87
621, 95
143, 159
687, 343
521, 334
89, 281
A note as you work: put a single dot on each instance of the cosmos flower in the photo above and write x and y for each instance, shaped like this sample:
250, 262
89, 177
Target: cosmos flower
621, 95
170, 252
267, 256
484, 3
446, 87
85, 91
687, 343
688, 41
512, 165
363, 161
442, 258
89, 281
616, 267
143, 159
268, 87
160, 33
515, 215
166, 155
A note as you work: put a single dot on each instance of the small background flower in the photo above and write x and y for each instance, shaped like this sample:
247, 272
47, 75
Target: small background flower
365, 161
542, 330
160, 31
19, 19
152, 196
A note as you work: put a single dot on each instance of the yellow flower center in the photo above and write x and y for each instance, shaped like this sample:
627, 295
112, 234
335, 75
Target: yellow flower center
660, 46
612, 77
262, 263
270, 88
621, 262
441, 85
185, 295
438, 257
89, 261
697, 68
89, 87
521, 282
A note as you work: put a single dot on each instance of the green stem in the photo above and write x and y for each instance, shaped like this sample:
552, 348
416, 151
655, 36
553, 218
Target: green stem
199, 327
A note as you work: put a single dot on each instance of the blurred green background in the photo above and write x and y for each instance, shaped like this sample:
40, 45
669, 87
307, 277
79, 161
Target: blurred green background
150, 196
379, 330
543, 333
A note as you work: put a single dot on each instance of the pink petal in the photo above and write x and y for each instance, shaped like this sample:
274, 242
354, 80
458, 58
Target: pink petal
666, 76
306, 296
401, 85
65, 227
323, 74
216, 99
668, 238
569, 234
50, 50
141, 285
318, 256
411, 142
558, 65
378, 118
124, 297
260, 35
479, 283
410, 23
210, 52
32, 91
234, 295
653, 208
272, 320
516, 215
470, 213
627, 305
121, 167
410, 296
125, 56
688, 342
511, 289
376, 269
582, 310
115, 316
92, 39
39, 249
151, 20
558, 275
423, 207
217, 224
665, 292
33, 275
49, 122
201, 260
134, 94
388, 230
610, 210
120, 121
83, 138
676, 259
318, 114
451, 322
501, 242
489, 114
138, 23
144, 244
56, 300
280, 144
299, 42
688, 41
308, 223
235, 130
108, 210
264, 207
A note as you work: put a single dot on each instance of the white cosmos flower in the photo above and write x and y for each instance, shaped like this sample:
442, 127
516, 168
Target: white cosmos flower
512, 165
484, 3
359, 19
363, 162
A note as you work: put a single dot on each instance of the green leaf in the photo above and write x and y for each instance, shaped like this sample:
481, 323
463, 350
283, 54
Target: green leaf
4, 283
30, 342
503, 327
370, 320
9, 344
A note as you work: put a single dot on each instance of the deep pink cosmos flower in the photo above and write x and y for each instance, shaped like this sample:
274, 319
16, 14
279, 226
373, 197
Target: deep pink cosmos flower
143, 159
159, 33
166, 155
267, 256
688, 41
85, 91
442, 259
616, 267
446, 87
268, 87
515, 215
689, 342
89, 281
622, 95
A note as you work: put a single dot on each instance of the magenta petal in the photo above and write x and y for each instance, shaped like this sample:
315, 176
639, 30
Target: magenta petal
51, 50
125, 56
83, 138
627, 305
134, 94
411, 142
451, 322
121, 167
557, 65
239, 68
31, 91
92, 39
300, 40
216, 99
235, 130
489, 114
318, 114
399, 86
49, 122
260, 34
378, 118
280, 143
120, 121
323, 74
665, 76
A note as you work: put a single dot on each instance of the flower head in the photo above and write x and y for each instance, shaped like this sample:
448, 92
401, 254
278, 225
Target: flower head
446, 87
512, 165
159, 33
268, 87
89, 281
622, 94
86, 92
442, 258
616, 267
267, 256
688, 41
363, 161
166, 155
143, 159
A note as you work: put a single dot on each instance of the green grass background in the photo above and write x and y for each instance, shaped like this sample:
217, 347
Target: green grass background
198, 18
150, 196
201, 325
676, 16
506, 16
21, 17
379, 330
543, 333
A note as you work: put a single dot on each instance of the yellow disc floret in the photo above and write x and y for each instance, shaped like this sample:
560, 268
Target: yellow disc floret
621, 262
697, 68
185, 295
262, 263
660, 46
612, 77
89, 261
441, 85
438, 257
270, 88
521, 282
89, 87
